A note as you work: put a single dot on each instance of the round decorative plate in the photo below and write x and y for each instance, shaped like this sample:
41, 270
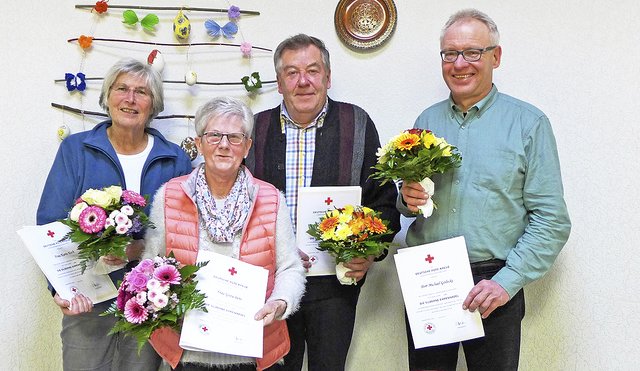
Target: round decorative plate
365, 24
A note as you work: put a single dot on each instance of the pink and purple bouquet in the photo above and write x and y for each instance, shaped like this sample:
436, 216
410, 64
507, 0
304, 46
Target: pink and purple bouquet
155, 294
103, 222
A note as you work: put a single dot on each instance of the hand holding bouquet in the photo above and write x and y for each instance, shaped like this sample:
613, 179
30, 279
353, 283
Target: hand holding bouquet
350, 232
414, 155
103, 222
155, 294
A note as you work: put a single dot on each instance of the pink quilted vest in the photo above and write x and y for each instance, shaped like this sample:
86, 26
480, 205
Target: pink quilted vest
257, 248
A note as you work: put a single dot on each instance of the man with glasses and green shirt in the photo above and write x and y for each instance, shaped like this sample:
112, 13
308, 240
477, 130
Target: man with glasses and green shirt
506, 199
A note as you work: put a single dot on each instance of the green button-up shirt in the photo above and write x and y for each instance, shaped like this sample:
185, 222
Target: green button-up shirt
506, 199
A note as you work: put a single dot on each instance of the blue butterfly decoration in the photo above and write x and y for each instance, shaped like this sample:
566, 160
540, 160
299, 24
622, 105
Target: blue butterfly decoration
72, 81
214, 29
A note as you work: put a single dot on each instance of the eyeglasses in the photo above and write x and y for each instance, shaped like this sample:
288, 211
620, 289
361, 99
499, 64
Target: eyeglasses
139, 92
215, 137
469, 55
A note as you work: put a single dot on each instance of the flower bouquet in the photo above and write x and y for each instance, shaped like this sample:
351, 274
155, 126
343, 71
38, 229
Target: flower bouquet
155, 294
414, 155
350, 232
103, 222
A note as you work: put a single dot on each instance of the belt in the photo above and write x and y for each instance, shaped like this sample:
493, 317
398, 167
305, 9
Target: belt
483, 267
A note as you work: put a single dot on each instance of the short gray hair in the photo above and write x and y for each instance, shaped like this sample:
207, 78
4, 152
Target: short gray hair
494, 35
297, 42
137, 69
224, 106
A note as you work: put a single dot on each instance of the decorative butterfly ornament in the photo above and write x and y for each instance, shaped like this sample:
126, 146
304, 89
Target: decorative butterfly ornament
75, 82
149, 21
214, 29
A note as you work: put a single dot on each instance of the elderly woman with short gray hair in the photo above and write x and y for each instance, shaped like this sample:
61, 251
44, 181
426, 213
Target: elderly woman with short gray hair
220, 207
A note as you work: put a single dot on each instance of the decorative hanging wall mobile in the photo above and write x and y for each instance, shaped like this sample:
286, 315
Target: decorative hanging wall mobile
181, 29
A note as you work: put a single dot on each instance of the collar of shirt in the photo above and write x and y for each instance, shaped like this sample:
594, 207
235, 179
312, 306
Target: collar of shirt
285, 119
477, 110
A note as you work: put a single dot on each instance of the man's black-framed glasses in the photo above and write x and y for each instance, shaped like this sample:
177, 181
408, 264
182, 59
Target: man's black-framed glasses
469, 55
215, 137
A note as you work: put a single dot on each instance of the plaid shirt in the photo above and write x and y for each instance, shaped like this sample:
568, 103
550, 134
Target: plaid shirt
301, 149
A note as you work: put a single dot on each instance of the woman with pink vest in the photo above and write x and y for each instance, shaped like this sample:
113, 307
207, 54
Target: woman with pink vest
220, 207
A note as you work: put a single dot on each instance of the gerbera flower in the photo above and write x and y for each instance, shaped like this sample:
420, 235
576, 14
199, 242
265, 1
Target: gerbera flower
406, 141
133, 198
92, 219
328, 224
134, 312
167, 274
376, 226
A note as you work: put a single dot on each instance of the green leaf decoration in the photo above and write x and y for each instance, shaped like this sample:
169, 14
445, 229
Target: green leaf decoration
129, 17
252, 83
149, 22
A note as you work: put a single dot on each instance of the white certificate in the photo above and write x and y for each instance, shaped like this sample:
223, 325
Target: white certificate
235, 293
59, 261
435, 279
313, 203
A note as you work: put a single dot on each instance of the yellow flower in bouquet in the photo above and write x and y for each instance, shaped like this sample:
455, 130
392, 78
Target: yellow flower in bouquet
351, 232
413, 155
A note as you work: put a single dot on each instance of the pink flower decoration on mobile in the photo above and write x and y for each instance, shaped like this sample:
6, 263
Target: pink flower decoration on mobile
92, 219
245, 48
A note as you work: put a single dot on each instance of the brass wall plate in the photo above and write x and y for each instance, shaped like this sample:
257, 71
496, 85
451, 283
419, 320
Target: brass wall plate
365, 24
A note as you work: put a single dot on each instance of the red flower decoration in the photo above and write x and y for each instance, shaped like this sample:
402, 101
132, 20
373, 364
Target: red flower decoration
101, 7
85, 41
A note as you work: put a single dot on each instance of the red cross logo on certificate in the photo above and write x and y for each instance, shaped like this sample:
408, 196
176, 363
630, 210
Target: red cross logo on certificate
50, 233
313, 259
204, 328
233, 270
328, 201
429, 258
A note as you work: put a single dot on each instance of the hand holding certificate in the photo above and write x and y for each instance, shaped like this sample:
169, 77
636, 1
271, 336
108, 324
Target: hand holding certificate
313, 203
435, 279
59, 260
235, 293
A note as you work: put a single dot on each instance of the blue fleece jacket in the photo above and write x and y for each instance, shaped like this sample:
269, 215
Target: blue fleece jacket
87, 160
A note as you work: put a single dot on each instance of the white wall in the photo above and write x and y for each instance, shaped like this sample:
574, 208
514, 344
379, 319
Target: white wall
576, 60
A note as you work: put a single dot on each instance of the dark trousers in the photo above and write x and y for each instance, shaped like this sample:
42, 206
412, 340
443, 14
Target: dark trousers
498, 350
199, 367
324, 323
